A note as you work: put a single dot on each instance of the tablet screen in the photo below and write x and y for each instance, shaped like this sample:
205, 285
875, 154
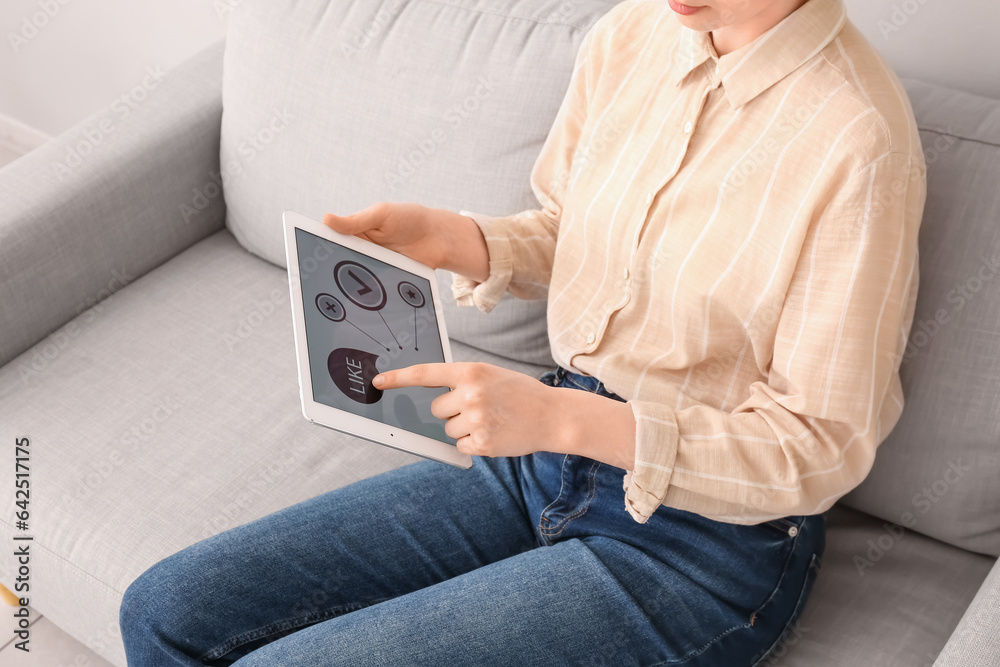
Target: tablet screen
362, 317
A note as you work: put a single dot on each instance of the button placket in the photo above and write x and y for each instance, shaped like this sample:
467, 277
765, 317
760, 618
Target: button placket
692, 111
682, 153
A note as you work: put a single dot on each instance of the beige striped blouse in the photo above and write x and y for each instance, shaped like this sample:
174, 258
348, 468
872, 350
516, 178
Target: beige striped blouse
730, 244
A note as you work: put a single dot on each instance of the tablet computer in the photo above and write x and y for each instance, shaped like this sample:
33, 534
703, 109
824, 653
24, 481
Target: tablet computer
359, 309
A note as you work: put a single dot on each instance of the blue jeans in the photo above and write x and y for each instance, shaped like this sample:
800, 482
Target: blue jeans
516, 561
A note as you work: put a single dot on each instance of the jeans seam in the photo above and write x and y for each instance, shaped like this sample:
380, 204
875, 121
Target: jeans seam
701, 649
562, 379
784, 571
277, 626
562, 485
777, 586
591, 492
814, 564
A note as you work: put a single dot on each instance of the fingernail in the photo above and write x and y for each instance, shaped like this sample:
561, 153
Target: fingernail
378, 380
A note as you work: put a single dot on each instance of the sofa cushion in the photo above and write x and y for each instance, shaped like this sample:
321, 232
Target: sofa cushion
939, 468
882, 597
332, 106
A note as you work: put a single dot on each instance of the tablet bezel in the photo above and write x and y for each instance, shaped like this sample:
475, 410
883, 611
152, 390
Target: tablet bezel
342, 420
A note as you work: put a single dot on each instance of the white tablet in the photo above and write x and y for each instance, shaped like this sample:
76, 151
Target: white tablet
360, 309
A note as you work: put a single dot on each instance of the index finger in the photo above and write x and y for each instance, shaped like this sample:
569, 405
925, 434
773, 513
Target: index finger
418, 375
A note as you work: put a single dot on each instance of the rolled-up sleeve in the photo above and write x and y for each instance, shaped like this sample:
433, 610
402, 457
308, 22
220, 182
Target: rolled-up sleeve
522, 246
807, 435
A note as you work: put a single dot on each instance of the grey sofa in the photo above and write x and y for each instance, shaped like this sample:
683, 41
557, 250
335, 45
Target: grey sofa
146, 347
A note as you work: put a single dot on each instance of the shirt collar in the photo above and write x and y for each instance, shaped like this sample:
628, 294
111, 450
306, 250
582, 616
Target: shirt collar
755, 67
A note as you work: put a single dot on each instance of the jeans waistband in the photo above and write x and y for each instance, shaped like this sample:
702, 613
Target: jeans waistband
561, 377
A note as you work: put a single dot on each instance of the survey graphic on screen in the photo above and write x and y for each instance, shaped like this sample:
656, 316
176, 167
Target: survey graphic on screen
362, 317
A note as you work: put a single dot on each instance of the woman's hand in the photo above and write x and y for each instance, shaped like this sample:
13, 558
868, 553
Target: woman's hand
436, 237
493, 411
400, 226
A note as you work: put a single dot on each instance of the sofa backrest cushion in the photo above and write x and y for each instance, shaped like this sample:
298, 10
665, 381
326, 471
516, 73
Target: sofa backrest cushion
332, 106
939, 468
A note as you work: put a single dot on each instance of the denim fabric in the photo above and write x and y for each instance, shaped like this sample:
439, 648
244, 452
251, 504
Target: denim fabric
521, 561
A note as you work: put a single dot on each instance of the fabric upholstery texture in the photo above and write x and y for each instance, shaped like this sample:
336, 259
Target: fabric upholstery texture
453, 121
976, 640
175, 415
941, 463
83, 216
864, 615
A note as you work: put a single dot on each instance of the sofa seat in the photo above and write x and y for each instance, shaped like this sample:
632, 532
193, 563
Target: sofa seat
213, 441
899, 611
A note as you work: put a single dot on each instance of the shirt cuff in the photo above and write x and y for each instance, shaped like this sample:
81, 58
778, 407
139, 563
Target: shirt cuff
656, 441
487, 295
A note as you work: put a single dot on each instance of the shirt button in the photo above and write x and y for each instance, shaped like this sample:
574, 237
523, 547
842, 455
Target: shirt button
687, 127
649, 198
591, 338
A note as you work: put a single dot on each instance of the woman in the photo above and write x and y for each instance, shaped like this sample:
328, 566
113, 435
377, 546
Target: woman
727, 239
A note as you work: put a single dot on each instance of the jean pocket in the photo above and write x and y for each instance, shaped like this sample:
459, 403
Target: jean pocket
785, 525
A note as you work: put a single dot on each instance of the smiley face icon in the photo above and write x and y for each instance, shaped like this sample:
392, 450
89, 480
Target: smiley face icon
359, 285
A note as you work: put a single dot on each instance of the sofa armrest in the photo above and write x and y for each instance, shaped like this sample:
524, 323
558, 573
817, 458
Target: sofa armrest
110, 199
976, 640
